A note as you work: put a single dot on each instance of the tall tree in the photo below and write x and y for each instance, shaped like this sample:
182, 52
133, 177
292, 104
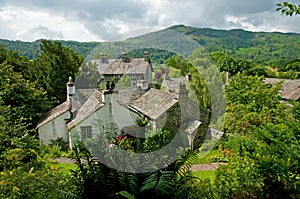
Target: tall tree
53, 67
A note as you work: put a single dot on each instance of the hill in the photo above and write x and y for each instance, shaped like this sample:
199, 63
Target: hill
264, 48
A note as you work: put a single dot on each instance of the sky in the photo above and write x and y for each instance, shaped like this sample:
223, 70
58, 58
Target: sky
105, 20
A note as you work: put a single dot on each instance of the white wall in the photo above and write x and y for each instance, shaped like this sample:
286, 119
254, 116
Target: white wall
54, 129
112, 117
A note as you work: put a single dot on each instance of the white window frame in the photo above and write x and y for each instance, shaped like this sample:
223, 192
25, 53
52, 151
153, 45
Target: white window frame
86, 132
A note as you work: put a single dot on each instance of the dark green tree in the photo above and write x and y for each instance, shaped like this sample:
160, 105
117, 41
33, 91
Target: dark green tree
24, 100
53, 67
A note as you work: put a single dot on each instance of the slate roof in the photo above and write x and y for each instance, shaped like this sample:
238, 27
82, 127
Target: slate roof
154, 103
101, 66
92, 104
117, 67
55, 112
81, 96
172, 84
128, 95
290, 88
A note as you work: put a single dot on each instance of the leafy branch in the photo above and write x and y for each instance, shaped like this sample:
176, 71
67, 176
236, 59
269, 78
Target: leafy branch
288, 9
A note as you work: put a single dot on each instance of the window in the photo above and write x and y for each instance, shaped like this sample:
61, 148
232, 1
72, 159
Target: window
86, 132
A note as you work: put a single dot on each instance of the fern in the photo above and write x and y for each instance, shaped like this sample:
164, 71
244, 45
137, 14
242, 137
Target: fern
125, 194
160, 183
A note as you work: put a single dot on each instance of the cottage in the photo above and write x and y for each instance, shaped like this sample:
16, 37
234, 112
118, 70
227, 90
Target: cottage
88, 113
138, 69
156, 105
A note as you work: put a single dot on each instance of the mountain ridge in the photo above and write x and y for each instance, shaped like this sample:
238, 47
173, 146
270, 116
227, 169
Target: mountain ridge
267, 48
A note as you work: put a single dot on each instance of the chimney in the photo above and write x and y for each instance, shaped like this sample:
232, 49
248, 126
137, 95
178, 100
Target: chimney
70, 89
183, 93
103, 58
188, 76
147, 57
165, 75
125, 58
228, 75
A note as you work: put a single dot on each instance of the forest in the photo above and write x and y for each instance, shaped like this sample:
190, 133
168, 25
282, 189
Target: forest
260, 146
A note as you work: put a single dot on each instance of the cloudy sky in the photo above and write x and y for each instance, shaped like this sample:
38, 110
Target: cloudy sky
102, 20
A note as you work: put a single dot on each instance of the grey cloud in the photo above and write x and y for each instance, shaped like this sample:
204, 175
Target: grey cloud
6, 32
40, 32
105, 18
94, 14
94, 9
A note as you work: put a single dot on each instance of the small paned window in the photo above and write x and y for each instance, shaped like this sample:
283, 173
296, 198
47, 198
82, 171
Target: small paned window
86, 132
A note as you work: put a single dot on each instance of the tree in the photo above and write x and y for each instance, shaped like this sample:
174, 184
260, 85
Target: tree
53, 67
265, 164
24, 101
2, 54
178, 63
251, 103
87, 76
288, 8
235, 65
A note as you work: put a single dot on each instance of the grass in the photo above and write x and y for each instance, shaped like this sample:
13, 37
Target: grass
204, 158
63, 167
210, 174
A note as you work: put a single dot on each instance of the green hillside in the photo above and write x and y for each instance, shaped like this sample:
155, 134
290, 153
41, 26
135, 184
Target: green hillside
260, 47
270, 49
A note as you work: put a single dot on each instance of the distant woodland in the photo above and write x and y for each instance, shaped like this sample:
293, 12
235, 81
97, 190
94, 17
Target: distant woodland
276, 50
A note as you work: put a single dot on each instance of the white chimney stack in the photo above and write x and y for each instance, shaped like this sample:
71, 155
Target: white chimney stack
70, 89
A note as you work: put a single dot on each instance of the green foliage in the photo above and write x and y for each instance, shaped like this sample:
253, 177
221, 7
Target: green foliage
24, 100
205, 157
251, 104
87, 76
266, 49
142, 121
288, 9
179, 63
53, 67
61, 143
208, 86
157, 139
158, 56
34, 183
124, 82
295, 110
92, 178
235, 65
197, 189
265, 166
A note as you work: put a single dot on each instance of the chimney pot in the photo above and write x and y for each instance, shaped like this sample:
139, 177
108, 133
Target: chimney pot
103, 58
125, 58
147, 57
